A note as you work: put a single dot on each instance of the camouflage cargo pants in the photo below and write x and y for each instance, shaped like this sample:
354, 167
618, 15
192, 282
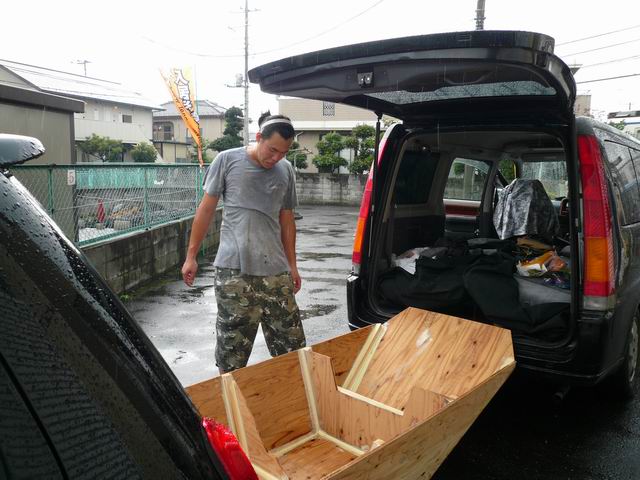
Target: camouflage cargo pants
244, 301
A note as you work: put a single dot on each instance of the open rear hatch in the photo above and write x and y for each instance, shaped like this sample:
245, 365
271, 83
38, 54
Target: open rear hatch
412, 78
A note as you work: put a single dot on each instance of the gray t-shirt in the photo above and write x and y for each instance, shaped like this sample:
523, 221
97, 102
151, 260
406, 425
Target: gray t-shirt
253, 197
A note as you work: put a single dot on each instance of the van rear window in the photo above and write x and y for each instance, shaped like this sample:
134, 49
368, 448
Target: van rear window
415, 176
498, 89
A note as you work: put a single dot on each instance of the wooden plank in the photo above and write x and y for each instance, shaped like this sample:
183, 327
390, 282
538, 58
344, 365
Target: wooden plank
360, 421
247, 432
315, 460
207, 398
304, 357
361, 363
435, 352
419, 452
343, 350
275, 394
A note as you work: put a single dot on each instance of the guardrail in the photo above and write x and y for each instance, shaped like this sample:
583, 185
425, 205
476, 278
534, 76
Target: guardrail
93, 202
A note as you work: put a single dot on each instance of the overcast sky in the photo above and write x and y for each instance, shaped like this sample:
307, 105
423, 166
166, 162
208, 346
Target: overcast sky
128, 41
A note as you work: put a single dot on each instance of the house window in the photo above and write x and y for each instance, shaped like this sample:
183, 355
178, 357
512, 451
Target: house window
127, 118
328, 109
163, 131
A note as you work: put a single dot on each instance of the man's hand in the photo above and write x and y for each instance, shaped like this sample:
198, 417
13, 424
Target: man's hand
297, 281
189, 270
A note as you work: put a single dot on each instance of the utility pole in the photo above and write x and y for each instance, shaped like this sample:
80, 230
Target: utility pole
246, 71
480, 15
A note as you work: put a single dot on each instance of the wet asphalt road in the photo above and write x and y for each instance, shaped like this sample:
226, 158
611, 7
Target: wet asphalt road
181, 320
522, 434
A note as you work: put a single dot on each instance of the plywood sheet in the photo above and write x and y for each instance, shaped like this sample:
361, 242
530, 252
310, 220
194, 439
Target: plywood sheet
343, 351
420, 451
246, 431
358, 420
207, 397
275, 394
435, 352
314, 460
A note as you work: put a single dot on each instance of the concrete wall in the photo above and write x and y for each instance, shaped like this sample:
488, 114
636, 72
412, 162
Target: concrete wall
130, 261
329, 189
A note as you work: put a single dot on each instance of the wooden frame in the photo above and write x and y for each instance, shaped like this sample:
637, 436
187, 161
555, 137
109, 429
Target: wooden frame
411, 389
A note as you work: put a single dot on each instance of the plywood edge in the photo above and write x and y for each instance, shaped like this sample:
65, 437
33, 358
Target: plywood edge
245, 429
305, 356
362, 361
292, 445
370, 401
347, 447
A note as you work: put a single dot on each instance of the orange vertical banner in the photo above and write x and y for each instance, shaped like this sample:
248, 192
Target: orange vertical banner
181, 85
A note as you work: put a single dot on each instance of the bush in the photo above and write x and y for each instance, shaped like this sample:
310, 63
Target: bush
144, 153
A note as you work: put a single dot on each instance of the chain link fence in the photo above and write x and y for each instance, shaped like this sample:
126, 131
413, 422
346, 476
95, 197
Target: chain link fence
95, 202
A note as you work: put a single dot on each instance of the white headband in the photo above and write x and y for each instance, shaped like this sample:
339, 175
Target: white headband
274, 120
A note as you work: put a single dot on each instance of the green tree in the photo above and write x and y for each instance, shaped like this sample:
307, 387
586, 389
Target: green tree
234, 121
144, 152
328, 158
104, 148
619, 125
362, 142
297, 156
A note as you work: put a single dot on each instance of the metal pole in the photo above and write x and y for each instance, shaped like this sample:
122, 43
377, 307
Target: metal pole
480, 15
246, 70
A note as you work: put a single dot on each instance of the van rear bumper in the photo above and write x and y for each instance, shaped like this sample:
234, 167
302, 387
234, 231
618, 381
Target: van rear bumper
584, 361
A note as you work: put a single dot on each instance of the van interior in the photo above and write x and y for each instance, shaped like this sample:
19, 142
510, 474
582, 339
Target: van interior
476, 224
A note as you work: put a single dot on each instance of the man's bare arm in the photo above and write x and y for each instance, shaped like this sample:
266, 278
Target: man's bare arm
288, 236
205, 212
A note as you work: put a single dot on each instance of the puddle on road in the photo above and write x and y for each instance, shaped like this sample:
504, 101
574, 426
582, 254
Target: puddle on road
323, 256
316, 311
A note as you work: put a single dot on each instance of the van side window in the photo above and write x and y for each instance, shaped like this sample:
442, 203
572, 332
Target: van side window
467, 179
552, 175
415, 177
625, 180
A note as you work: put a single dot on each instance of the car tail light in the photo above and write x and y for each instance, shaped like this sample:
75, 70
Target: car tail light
228, 449
365, 204
599, 276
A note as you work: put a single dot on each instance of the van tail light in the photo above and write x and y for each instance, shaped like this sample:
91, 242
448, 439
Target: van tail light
229, 451
599, 274
365, 205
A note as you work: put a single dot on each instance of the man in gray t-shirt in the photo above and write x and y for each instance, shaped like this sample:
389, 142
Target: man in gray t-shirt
256, 270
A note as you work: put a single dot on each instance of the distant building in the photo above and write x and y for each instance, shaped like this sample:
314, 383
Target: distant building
631, 120
110, 109
582, 106
312, 119
171, 137
26, 110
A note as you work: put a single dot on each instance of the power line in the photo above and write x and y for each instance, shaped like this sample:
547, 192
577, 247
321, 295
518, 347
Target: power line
610, 78
609, 61
602, 48
206, 55
598, 35
324, 32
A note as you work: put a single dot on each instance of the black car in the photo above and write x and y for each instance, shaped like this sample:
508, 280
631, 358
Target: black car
83, 392
490, 199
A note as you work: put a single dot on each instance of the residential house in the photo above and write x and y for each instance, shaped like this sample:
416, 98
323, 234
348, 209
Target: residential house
312, 119
172, 138
110, 109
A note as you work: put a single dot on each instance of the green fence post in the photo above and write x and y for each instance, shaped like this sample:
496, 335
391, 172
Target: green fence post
146, 197
50, 204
